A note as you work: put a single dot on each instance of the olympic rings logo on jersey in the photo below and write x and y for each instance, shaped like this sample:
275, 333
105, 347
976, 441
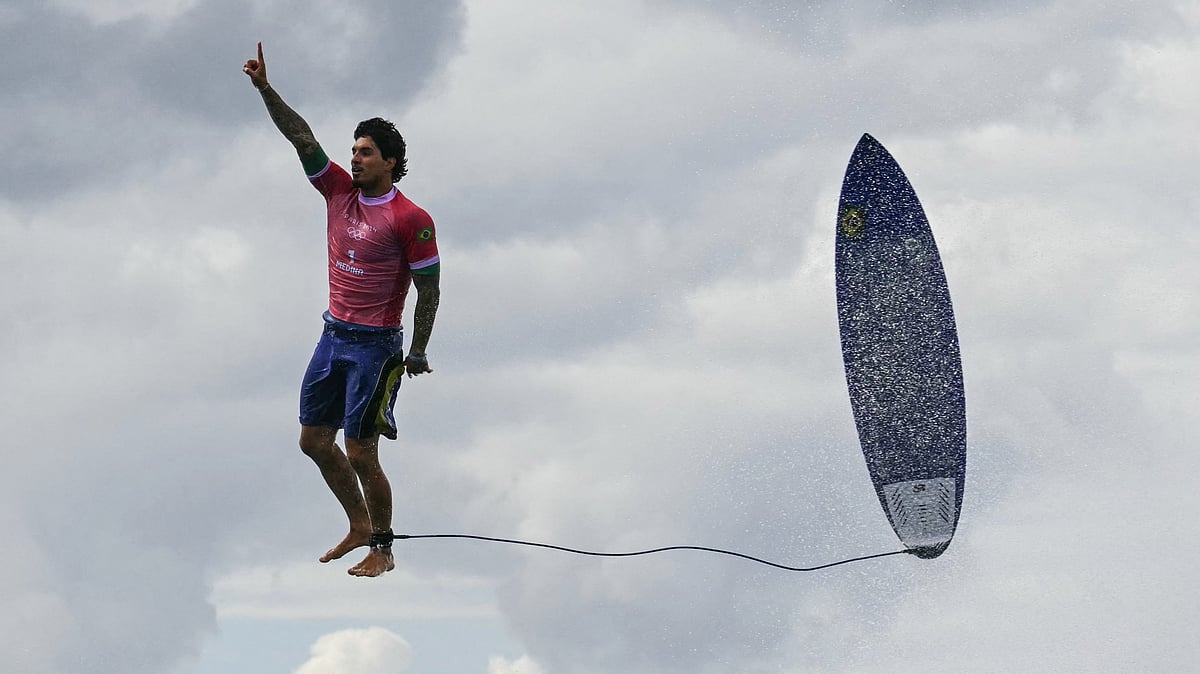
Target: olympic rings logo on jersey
356, 233
358, 223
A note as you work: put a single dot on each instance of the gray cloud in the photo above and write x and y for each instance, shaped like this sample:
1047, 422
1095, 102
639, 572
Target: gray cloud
638, 340
87, 100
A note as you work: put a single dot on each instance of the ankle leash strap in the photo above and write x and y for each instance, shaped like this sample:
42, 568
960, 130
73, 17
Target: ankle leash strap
382, 541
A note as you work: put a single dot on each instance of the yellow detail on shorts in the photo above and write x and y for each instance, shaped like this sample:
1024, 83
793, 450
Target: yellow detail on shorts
395, 370
852, 222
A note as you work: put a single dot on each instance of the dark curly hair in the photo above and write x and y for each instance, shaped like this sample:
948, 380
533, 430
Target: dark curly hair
388, 140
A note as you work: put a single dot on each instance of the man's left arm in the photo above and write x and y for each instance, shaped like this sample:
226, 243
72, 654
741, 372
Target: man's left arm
428, 297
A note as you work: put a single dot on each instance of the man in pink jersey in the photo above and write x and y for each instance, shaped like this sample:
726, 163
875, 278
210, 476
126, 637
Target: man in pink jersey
379, 244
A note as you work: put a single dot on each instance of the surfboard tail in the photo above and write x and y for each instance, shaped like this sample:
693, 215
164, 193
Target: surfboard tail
923, 513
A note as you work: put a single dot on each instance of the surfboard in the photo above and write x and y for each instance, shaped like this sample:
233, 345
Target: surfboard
900, 350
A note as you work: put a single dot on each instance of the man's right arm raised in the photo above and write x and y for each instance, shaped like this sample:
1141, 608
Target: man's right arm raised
290, 124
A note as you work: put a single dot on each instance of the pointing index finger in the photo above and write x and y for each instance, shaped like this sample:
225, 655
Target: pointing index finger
260, 54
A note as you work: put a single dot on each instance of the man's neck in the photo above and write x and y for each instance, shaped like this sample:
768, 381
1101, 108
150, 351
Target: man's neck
379, 190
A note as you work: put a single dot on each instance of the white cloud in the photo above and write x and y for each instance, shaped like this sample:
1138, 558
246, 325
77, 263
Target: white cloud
310, 591
1051, 281
522, 665
1061, 577
373, 649
550, 92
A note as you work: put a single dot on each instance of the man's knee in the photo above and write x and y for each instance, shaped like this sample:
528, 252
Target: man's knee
363, 454
317, 443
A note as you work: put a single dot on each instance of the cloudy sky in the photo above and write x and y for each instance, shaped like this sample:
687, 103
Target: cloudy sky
637, 345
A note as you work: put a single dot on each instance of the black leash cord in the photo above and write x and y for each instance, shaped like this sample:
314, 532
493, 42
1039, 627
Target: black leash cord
650, 552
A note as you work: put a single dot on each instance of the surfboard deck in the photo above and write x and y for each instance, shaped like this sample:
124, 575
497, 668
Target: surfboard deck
900, 350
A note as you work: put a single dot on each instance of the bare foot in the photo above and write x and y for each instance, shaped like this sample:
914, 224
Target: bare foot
354, 539
376, 563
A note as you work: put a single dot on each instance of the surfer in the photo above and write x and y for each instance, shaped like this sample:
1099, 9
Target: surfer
379, 243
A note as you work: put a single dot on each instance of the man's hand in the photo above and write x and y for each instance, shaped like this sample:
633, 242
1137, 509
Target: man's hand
257, 70
416, 364
291, 125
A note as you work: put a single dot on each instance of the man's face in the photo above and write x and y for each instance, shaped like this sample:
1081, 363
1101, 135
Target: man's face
368, 168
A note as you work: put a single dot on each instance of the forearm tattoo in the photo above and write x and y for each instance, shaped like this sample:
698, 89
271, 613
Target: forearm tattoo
290, 124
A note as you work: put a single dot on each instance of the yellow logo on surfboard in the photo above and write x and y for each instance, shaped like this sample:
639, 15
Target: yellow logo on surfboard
852, 222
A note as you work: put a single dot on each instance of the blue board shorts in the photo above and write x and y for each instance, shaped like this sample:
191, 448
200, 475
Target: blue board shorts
352, 380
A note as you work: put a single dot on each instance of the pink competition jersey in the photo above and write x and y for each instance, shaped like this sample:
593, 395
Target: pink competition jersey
375, 243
